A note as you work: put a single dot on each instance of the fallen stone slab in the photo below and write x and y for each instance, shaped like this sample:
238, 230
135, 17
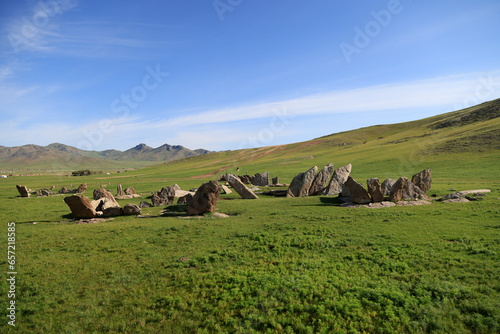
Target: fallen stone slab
182, 193
463, 193
127, 196
412, 203
240, 188
379, 205
225, 189
456, 200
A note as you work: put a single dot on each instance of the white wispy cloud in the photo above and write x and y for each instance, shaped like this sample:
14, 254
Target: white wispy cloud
268, 123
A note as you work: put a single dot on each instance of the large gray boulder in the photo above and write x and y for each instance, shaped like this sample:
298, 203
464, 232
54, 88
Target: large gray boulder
321, 180
423, 180
165, 196
261, 180
240, 188
358, 193
131, 210
339, 177
300, 185
205, 199
403, 189
375, 190
80, 206
23, 191
387, 186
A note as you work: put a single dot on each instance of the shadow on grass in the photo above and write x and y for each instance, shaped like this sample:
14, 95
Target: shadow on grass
325, 201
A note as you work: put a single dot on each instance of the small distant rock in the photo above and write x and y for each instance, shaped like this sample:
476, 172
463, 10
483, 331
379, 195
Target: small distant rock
130, 191
81, 188
176, 187
145, 204
413, 203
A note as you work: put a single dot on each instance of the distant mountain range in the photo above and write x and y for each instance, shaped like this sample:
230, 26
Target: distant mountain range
60, 156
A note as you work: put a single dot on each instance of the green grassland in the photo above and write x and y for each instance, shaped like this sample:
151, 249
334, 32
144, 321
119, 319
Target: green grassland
276, 265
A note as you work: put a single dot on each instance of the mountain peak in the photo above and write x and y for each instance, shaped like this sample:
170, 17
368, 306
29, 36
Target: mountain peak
142, 147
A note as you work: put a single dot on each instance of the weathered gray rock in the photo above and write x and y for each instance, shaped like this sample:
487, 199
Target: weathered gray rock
112, 212
246, 179
119, 190
387, 186
345, 191
375, 190
130, 191
339, 177
103, 193
23, 191
205, 199
423, 180
275, 180
300, 185
188, 198
145, 204
131, 209
103, 203
225, 189
321, 180
80, 206
81, 188
240, 188
403, 189
261, 180
359, 195
165, 196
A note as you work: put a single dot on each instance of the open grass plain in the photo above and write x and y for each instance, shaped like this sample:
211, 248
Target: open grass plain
276, 265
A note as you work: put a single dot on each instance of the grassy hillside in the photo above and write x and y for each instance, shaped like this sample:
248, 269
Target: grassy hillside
276, 265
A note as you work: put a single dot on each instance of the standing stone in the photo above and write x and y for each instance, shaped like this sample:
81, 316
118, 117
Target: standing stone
320, 181
358, 193
130, 191
205, 199
240, 188
339, 177
225, 189
81, 188
131, 209
375, 190
423, 180
23, 191
185, 199
119, 190
275, 180
387, 186
403, 189
261, 180
80, 206
301, 183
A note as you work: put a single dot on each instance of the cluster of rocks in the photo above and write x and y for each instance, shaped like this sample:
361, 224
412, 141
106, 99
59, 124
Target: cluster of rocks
260, 180
25, 192
127, 194
395, 191
328, 181
103, 205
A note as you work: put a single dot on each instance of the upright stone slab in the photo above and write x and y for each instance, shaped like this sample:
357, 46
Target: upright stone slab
80, 207
359, 195
339, 177
321, 180
119, 190
205, 199
423, 180
275, 180
240, 188
165, 196
295, 186
403, 189
387, 186
375, 190
23, 191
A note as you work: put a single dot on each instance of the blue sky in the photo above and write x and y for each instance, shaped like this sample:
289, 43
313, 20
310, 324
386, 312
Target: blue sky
231, 74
